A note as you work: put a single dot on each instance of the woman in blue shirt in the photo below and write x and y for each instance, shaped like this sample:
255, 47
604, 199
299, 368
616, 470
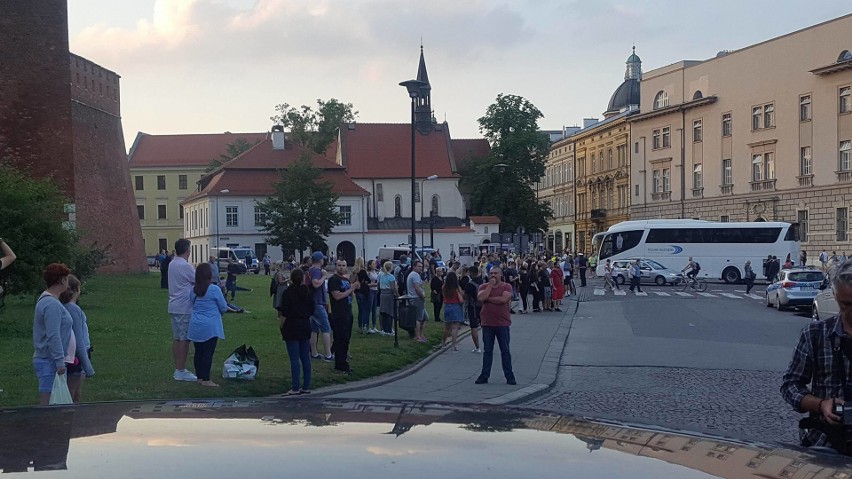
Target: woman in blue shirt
205, 324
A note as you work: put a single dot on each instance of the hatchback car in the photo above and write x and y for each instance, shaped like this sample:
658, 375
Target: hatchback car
652, 272
825, 306
794, 288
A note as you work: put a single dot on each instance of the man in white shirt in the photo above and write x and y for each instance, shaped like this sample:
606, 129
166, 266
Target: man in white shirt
181, 282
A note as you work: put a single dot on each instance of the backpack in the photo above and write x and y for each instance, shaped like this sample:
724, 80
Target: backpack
401, 277
697, 267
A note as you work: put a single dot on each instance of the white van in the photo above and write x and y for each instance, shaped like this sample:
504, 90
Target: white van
237, 255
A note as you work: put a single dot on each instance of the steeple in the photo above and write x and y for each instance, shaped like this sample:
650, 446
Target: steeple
634, 67
423, 109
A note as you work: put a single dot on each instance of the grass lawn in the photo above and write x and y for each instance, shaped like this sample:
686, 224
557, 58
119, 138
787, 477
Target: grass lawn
131, 335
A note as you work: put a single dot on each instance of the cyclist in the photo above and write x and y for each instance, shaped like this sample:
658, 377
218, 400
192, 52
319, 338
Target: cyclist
691, 269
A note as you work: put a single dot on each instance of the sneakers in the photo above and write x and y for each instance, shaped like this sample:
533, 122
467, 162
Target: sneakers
481, 380
477, 350
185, 375
328, 359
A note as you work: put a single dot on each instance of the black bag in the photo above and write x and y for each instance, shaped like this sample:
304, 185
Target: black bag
273, 286
401, 283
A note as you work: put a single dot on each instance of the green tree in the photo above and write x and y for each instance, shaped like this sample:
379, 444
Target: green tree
303, 209
37, 234
314, 129
232, 150
503, 183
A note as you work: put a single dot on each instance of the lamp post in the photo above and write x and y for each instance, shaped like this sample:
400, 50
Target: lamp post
415, 93
422, 201
223, 192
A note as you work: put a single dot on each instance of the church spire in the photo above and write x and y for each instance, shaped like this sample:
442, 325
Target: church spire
421, 69
423, 110
634, 67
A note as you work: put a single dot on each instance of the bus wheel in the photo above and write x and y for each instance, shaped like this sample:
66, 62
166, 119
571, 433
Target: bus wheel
731, 275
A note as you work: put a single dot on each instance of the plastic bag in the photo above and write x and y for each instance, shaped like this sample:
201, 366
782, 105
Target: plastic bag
60, 393
243, 364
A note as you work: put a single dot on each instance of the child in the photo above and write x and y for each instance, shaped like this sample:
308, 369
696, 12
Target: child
83, 353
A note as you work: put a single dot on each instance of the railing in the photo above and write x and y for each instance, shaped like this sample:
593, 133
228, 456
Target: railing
664, 195
764, 185
698, 192
727, 189
806, 180
844, 176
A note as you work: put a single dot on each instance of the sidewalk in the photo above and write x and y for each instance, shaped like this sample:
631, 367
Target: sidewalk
537, 341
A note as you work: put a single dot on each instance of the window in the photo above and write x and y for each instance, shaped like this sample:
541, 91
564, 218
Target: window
697, 134
380, 194
594, 163
805, 161
769, 116
622, 155
140, 183
727, 173
609, 159
161, 182
259, 217
140, 211
756, 113
163, 243
182, 182
161, 212
697, 178
581, 167
845, 155
417, 192
180, 211
845, 106
581, 202
805, 108
435, 205
661, 100
769, 165
636, 147
757, 168
841, 224
724, 219
345, 215
486, 232
802, 216
656, 182
232, 216
667, 180
667, 137
397, 206
655, 143
195, 220
636, 193
726, 124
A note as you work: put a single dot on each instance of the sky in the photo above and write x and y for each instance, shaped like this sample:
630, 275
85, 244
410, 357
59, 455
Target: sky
209, 66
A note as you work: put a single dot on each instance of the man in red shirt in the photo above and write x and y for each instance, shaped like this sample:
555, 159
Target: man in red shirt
495, 296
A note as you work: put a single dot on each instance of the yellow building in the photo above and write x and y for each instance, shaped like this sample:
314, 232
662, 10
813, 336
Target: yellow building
164, 170
602, 162
556, 188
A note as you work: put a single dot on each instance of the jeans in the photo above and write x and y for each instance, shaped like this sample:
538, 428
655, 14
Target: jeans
501, 333
300, 358
634, 283
437, 308
204, 357
524, 293
582, 276
363, 311
374, 303
341, 329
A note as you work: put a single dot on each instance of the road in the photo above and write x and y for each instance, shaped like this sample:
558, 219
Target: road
711, 363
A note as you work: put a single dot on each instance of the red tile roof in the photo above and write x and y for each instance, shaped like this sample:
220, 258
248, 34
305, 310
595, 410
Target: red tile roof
184, 150
465, 150
485, 220
383, 150
262, 156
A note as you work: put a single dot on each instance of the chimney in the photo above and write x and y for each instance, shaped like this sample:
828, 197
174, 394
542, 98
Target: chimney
277, 137
587, 122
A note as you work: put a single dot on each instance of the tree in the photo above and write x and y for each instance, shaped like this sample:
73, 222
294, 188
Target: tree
37, 234
303, 209
503, 183
314, 129
232, 150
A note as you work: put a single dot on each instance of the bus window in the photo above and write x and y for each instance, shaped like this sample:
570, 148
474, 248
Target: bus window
792, 233
615, 243
606, 248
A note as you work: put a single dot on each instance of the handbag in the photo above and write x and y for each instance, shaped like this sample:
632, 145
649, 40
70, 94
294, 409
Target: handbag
60, 393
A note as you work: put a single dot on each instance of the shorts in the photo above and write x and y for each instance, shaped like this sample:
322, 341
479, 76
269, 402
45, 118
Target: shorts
548, 293
180, 326
319, 320
473, 317
453, 313
420, 307
76, 369
45, 371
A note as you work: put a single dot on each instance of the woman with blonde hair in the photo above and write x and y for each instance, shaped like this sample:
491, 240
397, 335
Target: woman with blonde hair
388, 292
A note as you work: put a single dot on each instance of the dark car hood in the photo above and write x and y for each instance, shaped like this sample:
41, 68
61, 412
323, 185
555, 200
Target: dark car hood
289, 437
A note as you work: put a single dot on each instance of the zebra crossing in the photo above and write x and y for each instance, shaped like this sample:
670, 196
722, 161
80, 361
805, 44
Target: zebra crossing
682, 294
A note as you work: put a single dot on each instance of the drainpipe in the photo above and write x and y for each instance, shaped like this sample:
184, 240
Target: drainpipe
682, 162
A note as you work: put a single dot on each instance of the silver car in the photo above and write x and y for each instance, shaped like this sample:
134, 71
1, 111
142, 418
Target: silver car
652, 272
825, 306
796, 287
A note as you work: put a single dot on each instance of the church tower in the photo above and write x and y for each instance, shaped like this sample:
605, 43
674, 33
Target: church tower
423, 107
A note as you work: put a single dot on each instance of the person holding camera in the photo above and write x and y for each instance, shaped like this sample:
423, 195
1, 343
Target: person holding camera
820, 374
8, 255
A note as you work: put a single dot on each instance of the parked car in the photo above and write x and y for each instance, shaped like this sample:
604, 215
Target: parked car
152, 261
795, 287
652, 272
825, 306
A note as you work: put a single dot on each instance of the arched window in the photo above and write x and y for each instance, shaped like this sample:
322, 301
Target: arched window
845, 55
661, 100
397, 206
435, 202
697, 95
486, 230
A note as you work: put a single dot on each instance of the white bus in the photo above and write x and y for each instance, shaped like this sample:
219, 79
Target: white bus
720, 248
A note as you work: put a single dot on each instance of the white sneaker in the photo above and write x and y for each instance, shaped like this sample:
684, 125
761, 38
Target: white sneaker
185, 375
477, 350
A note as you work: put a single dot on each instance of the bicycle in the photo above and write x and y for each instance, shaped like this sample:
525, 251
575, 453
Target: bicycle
682, 282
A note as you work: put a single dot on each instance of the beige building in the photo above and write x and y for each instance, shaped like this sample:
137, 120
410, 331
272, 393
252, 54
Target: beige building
556, 188
760, 133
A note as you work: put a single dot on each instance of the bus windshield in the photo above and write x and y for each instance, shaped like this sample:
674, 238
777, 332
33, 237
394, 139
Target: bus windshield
615, 243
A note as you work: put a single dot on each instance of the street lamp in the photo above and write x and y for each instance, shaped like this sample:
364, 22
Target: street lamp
423, 200
416, 91
223, 192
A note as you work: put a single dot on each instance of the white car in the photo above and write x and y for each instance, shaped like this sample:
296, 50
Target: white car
825, 306
652, 272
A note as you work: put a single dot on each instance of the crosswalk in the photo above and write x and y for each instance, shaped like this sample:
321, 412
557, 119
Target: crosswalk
684, 294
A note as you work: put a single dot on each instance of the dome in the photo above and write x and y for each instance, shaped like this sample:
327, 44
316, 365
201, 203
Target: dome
633, 58
625, 95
